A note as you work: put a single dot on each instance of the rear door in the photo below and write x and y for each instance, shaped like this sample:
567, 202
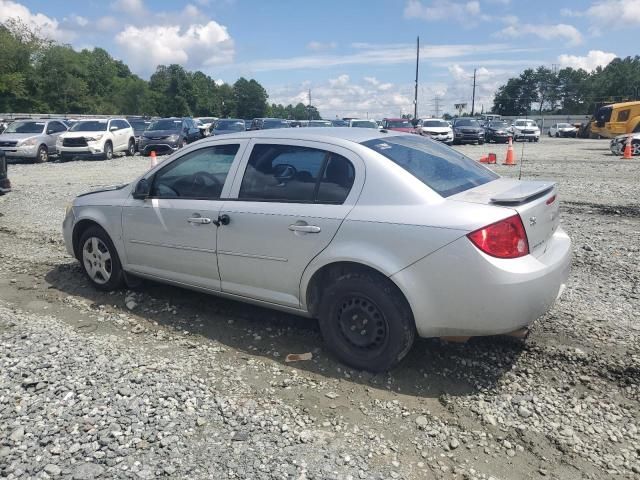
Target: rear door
285, 208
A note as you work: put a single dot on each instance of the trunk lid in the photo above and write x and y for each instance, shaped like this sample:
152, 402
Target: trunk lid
536, 202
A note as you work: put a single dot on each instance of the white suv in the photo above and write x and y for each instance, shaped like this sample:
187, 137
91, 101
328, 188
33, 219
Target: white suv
99, 137
525, 129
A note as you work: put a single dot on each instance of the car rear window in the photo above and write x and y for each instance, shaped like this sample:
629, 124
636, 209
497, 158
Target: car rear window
441, 168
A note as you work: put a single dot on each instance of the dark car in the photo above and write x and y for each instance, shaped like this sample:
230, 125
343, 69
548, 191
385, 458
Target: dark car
139, 125
398, 125
268, 123
166, 135
340, 123
228, 125
5, 184
497, 131
467, 130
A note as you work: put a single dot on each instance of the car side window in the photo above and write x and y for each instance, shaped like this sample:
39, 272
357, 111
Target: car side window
200, 174
623, 115
56, 127
113, 123
289, 173
124, 124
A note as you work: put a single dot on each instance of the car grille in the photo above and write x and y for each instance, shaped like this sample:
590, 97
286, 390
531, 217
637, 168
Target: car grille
8, 144
156, 138
527, 131
469, 131
74, 142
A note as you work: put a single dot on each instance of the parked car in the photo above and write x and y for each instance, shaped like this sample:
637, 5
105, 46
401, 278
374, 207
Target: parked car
497, 131
320, 123
339, 123
618, 143
419, 245
99, 137
205, 125
139, 125
228, 125
436, 129
467, 130
166, 135
525, 129
33, 140
397, 124
563, 130
269, 123
362, 123
5, 184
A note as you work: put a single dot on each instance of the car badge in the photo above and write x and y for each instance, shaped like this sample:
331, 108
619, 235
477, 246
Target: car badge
533, 221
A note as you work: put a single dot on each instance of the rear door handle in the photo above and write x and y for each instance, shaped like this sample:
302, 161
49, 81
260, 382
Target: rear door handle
199, 220
304, 228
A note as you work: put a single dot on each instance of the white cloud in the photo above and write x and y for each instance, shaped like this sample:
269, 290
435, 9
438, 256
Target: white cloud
560, 31
46, 26
618, 12
320, 46
468, 12
593, 59
194, 46
132, 7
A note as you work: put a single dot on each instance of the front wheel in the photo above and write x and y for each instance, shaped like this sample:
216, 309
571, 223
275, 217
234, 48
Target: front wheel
131, 148
43, 154
366, 321
184, 142
99, 259
108, 151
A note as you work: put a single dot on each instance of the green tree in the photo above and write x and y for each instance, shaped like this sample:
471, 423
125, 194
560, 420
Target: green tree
250, 97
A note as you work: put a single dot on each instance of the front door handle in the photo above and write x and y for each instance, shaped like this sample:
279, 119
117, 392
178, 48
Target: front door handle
199, 220
304, 228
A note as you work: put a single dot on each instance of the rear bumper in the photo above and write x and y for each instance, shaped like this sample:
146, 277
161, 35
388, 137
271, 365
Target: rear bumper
460, 291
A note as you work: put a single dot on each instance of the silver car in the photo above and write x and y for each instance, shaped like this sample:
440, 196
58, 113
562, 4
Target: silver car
32, 139
382, 236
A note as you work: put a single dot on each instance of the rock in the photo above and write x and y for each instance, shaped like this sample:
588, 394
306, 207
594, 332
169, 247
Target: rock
542, 472
87, 471
52, 469
17, 435
422, 421
4, 452
454, 443
331, 395
524, 412
137, 329
240, 436
130, 304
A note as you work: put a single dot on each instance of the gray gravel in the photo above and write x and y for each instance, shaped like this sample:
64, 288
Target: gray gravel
162, 382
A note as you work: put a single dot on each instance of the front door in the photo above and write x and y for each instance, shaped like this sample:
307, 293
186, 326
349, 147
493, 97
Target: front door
172, 234
288, 206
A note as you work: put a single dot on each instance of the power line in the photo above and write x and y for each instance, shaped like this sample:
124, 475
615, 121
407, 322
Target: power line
473, 97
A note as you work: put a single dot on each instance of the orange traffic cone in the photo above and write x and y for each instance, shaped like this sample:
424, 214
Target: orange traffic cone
484, 159
511, 157
627, 149
154, 159
491, 158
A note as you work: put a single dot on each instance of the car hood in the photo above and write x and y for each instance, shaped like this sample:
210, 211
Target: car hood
160, 133
113, 195
12, 137
223, 132
618, 138
401, 129
82, 134
437, 129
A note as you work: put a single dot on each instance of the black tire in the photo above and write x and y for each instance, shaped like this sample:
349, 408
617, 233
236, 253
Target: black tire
557, 134
113, 267
184, 143
131, 148
549, 133
43, 154
366, 321
108, 151
480, 142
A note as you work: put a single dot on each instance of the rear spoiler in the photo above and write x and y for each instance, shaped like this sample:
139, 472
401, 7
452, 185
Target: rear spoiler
523, 193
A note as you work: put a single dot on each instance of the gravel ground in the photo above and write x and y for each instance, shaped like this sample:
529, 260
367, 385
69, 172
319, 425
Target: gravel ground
164, 382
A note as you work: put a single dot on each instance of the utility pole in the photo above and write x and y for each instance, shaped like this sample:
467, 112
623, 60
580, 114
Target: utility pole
415, 99
309, 104
473, 98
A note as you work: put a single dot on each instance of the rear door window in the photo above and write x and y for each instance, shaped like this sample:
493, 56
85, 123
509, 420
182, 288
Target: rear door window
441, 168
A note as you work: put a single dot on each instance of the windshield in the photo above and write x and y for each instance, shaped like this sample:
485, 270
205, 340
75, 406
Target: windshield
441, 168
320, 123
364, 124
398, 124
340, 123
138, 125
564, 125
25, 127
166, 124
435, 123
90, 126
467, 122
499, 125
235, 125
525, 123
267, 124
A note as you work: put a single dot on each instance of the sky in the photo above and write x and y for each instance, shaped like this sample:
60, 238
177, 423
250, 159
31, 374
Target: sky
356, 56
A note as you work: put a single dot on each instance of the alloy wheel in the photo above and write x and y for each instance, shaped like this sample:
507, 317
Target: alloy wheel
97, 260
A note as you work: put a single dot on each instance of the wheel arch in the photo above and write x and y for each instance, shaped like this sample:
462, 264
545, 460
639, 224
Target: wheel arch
78, 229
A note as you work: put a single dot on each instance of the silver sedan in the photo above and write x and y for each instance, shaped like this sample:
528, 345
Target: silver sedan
382, 236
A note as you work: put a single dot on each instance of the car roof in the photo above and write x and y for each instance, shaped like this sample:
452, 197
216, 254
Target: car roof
319, 134
395, 118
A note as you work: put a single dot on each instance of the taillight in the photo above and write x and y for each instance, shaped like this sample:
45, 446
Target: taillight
504, 239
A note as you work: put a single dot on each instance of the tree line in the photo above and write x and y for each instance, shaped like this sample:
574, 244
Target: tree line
569, 91
39, 75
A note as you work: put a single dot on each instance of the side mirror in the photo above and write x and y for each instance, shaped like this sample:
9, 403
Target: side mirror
113, 128
142, 190
49, 131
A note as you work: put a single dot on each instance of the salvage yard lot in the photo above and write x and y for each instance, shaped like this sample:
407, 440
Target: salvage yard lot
183, 385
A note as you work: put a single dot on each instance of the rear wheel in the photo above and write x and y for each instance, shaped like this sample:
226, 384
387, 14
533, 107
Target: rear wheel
366, 321
131, 148
100, 260
43, 154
